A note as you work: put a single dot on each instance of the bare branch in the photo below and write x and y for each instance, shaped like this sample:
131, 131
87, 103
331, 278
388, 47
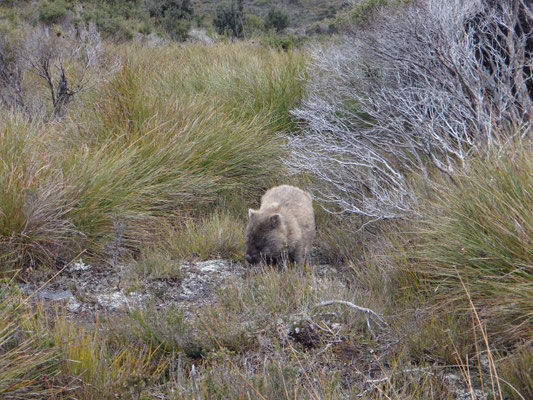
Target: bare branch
66, 62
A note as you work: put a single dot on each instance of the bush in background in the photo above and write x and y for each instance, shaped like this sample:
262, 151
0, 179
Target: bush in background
51, 12
230, 19
276, 19
174, 15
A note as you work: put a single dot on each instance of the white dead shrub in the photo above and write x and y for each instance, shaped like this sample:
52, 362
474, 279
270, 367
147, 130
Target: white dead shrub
61, 62
427, 86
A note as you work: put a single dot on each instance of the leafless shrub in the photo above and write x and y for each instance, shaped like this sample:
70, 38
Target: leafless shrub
62, 62
432, 84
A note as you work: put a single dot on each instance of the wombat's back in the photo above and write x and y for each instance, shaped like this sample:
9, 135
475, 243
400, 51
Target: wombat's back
288, 197
298, 204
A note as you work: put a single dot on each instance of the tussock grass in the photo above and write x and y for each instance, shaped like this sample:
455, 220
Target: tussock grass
173, 130
480, 229
34, 224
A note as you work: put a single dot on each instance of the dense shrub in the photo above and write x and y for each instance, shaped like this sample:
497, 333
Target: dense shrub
429, 86
277, 19
230, 19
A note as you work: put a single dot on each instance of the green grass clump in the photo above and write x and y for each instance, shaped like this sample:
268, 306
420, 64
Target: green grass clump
479, 231
219, 235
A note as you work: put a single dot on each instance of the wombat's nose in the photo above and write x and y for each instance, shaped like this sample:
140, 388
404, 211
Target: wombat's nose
248, 258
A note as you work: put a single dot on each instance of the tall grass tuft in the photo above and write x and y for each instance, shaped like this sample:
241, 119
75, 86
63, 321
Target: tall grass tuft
34, 224
480, 229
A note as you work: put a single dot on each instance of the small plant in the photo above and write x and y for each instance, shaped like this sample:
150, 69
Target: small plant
217, 235
156, 264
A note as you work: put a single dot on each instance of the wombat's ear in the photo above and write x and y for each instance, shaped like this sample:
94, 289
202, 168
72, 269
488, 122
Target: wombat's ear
275, 220
251, 212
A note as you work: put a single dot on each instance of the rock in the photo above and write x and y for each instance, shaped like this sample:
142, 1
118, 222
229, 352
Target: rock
63, 295
73, 305
79, 266
200, 35
119, 300
463, 394
84, 289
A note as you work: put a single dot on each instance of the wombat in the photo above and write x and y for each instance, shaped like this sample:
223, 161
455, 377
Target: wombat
285, 223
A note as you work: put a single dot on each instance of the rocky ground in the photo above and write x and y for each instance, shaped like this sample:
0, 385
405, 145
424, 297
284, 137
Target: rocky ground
86, 290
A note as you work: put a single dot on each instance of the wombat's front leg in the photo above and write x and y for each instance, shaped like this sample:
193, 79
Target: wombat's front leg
297, 255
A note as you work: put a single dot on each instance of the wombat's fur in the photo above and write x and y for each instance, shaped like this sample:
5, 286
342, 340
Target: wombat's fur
284, 223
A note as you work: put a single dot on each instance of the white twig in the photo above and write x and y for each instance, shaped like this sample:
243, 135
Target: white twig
380, 322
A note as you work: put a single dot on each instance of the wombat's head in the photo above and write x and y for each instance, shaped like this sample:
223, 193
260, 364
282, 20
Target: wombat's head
266, 237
